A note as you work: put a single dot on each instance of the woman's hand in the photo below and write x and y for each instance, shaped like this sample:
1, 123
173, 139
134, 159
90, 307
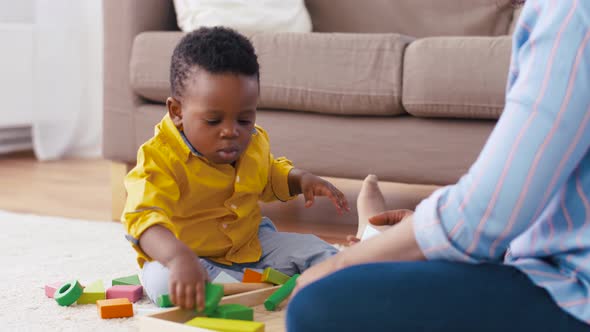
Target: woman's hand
391, 217
387, 218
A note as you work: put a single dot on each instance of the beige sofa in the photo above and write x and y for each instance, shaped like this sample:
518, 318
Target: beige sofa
405, 89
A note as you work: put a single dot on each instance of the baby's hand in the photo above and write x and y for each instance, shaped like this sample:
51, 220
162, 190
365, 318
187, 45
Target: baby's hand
187, 282
312, 186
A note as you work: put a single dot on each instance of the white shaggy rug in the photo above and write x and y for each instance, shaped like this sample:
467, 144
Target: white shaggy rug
39, 250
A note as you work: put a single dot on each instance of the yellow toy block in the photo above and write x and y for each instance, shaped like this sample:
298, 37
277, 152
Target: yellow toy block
274, 277
92, 293
226, 325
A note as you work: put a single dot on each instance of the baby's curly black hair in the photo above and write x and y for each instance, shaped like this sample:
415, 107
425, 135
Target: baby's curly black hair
217, 50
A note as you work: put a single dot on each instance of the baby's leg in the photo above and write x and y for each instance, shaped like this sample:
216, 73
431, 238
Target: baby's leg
155, 277
291, 253
369, 203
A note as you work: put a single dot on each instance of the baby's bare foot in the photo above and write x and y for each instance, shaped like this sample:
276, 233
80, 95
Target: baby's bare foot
370, 202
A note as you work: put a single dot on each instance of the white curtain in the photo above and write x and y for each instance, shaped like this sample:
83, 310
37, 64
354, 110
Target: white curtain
67, 79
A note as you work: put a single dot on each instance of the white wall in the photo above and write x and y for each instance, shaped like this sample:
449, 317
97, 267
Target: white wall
51, 77
16, 73
16, 79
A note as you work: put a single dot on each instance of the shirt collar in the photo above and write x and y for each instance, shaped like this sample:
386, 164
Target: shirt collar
176, 139
189, 145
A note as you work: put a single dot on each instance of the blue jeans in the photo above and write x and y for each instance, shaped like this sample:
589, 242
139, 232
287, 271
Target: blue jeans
427, 296
289, 253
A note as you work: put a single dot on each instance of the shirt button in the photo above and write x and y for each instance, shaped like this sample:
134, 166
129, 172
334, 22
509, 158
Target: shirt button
233, 206
224, 225
238, 178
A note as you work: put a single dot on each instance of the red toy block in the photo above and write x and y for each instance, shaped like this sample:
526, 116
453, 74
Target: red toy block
251, 276
114, 308
51, 288
133, 293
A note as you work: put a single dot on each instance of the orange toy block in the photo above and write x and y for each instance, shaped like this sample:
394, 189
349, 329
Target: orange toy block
251, 276
114, 308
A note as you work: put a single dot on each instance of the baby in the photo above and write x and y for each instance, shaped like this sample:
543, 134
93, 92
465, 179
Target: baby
192, 208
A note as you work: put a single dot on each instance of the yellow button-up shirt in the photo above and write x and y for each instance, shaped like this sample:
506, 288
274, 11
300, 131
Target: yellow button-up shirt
212, 208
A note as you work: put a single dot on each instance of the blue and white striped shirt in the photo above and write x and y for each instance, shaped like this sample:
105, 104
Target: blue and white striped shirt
526, 199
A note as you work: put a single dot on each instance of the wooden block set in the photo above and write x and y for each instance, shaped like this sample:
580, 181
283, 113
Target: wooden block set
117, 301
179, 320
238, 317
114, 302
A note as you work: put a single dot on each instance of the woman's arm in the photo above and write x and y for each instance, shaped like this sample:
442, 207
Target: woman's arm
535, 147
395, 244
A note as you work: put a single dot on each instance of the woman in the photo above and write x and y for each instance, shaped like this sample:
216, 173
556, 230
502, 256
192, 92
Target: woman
507, 248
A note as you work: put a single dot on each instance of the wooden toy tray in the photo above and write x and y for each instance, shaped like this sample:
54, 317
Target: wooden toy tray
173, 319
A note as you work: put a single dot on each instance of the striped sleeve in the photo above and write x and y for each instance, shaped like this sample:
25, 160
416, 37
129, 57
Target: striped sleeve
535, 146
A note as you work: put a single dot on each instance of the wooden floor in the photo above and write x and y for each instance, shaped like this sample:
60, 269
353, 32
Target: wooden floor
66, 188
81, 189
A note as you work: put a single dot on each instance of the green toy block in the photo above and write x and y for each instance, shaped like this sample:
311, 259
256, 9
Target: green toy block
213, 294
68, 293
281, 294
129, 280
234, 311
163, 301
273, 276
92, 293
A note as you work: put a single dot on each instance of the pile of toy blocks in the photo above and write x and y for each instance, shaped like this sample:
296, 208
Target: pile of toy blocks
237, 317
117, 301
114, 302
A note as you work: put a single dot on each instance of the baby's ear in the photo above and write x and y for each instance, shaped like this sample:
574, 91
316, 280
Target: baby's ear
175, 111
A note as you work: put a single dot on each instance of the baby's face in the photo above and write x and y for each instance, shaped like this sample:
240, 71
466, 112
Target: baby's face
218, 112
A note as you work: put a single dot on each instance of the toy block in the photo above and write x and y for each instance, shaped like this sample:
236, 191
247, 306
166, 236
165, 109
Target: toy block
131, 292
252, 276
226, 325
51, 288
273, 276
129, 280
213, 294
243, 287
273, 301
68, 293
234, 311
92, 293
224, 278
114, 308
163, 301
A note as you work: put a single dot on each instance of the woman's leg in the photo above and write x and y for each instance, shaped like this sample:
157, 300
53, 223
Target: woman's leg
427, 296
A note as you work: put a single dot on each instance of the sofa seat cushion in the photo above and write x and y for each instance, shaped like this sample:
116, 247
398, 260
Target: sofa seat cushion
351, 74
456, 77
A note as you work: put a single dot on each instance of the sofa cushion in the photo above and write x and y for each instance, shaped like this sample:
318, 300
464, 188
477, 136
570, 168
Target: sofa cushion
150, 64
459, 77
403, 149
418, 18
352, 74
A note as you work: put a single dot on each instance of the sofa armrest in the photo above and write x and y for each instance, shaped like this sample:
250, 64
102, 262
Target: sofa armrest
123, 20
